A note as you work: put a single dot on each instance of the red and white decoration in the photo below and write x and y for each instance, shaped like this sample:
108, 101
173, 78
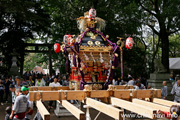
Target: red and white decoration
57, 47
68, 41
129, 43
92, 13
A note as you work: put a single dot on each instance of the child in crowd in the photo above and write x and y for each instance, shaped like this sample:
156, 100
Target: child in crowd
164, 90
8, 113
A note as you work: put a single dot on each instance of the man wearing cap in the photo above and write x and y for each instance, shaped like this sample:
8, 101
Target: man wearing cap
30, 107
39, 81
20, 105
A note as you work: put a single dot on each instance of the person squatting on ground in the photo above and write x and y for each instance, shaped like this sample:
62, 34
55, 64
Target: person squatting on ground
8, 113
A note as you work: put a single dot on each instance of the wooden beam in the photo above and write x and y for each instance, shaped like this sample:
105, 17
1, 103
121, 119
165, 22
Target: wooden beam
146, 93
80, 115
152, 105
123, 86
47, 88
56, 95
165, 102
142, 93
104, 108
139, 109
43, 111
45, 93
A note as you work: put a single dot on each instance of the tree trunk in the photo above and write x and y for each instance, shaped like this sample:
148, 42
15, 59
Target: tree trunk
165, 49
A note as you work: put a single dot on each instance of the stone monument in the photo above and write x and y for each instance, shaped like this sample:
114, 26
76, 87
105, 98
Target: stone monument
160, 74
14, 68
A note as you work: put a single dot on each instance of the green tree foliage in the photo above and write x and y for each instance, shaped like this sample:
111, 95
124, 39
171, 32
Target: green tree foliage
19, 20
166, 13
174, 45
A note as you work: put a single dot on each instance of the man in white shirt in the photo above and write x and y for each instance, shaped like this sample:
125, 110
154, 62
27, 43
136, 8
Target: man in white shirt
53, 84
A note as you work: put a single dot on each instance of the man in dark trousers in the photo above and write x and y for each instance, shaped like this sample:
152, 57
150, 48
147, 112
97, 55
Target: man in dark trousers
7, 84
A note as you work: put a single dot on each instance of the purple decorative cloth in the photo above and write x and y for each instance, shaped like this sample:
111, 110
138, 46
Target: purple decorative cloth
74, 60
82, 82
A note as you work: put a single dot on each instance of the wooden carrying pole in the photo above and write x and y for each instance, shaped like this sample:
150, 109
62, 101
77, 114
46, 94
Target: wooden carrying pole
104, 108
43, 111
152, 105
80, 115
136, 108
164, 102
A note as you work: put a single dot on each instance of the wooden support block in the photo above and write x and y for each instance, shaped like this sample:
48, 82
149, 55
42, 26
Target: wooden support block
165, 102
104, 108
99, 93
152, 105
43, 111
80, 115
139, 109
123, 94
142, 93
75, 95
156, 93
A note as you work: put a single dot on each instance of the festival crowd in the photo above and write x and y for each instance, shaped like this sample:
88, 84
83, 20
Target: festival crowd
18, 90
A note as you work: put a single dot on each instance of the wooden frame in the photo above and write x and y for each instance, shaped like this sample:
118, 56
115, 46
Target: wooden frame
81, 95
104, 108
115, 96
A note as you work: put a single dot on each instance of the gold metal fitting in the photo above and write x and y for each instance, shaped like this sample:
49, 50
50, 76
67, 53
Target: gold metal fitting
116, 54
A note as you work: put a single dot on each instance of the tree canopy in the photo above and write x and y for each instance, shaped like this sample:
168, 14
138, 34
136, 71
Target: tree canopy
49, 20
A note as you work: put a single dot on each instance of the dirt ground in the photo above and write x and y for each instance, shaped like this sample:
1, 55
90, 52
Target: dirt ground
93, 114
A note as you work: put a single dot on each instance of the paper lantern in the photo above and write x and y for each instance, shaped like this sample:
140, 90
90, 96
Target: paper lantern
57, 47
67, 40
92, 13
129, 43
